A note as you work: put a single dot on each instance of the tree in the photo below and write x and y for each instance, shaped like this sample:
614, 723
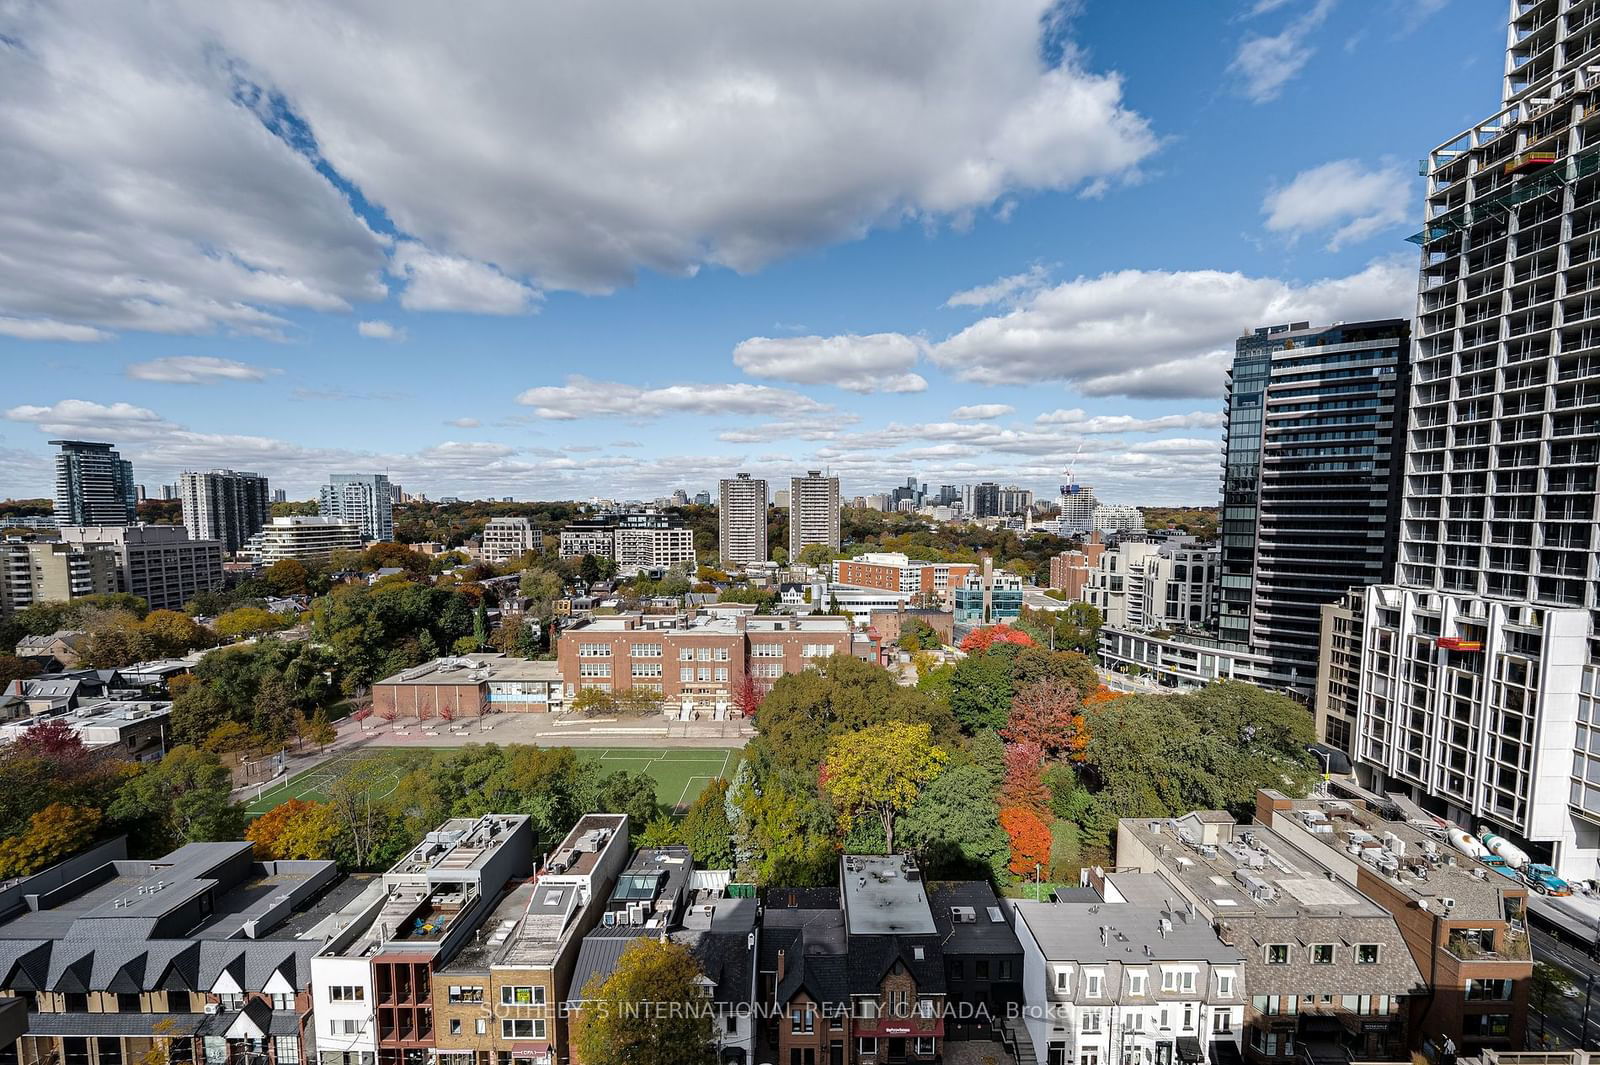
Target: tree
589, 569
295, 829
880, 770
953, 826
594, 701
14, 668
249, 621
748, 695
319, 731
918, 635
184, 798
1048, 715
980, 691
706, 830
651, 1010
1030, 839
1546, 988
816, 555
172, 633
1024, 784
633, 794
58, 831
288, 576
985, 638
543, 588
780, 556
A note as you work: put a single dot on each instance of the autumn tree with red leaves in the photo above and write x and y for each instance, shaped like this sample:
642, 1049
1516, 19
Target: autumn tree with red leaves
1023, 784
1030, 839
1048, 715
982, 639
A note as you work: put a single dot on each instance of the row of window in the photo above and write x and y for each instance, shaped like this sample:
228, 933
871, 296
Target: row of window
866, 1046
509, 995
1178, 981
1321, 953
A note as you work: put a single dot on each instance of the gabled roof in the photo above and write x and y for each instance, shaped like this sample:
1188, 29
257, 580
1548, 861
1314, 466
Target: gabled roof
873, 957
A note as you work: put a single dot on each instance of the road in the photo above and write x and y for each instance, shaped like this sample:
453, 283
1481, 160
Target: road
1566, 1020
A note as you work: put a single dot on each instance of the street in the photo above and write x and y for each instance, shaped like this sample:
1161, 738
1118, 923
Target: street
1565, 1019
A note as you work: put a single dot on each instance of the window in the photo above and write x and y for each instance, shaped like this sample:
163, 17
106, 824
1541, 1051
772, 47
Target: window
703, 674
283, 1002
482, 1027
1136, 981
686, 654
721, 655
594, 669
127, 1003
819, 650
344, 1026
347, 993
1063, 980
1322, 954
1486, 1024
522, 996
766, 669
1225, 985
1488, 990
647, 669
465, 993
1089, 1021
288, 1050
455, 1025
925, 1045
1366, 953
1277, 954
1169, 980
766, 650
1091, 985
231, 1002
702, 654
594, 650
958, 970
867, 1045
522, 1028
802, 1020
1004, 967
1186, 980
686, 675
722, 674
645, 650
1222, 1020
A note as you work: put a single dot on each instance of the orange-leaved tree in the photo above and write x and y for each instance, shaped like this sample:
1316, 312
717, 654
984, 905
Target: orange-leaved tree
1030, 839
985, 638
1048, 714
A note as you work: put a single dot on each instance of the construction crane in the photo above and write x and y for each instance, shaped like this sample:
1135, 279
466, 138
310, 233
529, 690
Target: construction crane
1071, 485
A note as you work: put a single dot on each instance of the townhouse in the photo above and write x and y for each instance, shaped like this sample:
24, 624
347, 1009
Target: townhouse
1125, 983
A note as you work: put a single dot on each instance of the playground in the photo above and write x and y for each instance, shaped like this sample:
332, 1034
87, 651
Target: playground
680, 773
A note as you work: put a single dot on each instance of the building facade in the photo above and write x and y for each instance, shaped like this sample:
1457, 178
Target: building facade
1311, 475
366, 500
988, 596
927, 583
302, 538
52, 572
635, 540
1339, 671
507, 539
225, 506
157, 563
813, 512
1117, 519
742, 521
467, 687
1144, 586
1071, 571
94, 485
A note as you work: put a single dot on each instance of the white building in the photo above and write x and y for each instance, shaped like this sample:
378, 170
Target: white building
742, 520
1113, 983
1117, 518
303, 538
364, 499
813, 512
1077, 505
1143, 586
1480, 670
505, 539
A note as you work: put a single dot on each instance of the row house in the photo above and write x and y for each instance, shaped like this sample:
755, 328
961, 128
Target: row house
1119, 983
1326, 969
202, 955
374, 979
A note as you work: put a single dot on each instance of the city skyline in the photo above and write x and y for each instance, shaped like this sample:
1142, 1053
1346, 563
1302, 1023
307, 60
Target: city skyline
974, 293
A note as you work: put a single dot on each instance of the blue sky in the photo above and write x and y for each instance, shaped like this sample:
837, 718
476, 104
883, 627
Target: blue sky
543, 255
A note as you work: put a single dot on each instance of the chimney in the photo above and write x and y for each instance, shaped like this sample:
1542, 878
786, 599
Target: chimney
783, 956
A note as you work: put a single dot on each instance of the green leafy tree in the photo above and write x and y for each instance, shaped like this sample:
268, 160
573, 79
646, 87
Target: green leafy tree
184, 798
288, 576
954, 825
980, 691
706, 830
649, 1011
816, 555
880, 771
628, 793
249, 621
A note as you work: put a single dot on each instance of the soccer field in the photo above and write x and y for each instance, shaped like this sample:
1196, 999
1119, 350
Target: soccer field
680, 773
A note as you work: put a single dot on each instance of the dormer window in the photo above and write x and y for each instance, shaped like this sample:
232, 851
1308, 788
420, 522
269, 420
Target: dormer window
1277, 953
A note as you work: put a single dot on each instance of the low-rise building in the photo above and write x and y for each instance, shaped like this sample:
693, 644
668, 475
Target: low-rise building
157, 563
896, 976
59, 649
988, 597
201, 955
132, 729
373, 980
1116, 981
927, 583
983, 958
468, 686
1327, 969
696, 661
889, 624
505, 539
303, 538
1144, 586
1117, 518
1071, 571
1179, 661
722, 935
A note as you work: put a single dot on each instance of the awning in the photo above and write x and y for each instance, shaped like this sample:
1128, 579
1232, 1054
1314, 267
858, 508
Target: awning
1189, 1049
1225, 1052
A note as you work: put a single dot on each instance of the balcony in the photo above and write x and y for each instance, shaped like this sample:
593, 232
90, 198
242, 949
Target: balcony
1487, 944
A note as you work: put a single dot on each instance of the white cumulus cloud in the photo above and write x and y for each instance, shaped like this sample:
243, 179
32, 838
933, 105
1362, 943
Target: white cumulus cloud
982, 412
435, 282
377, 329
197, 370
1343, 196
1265, 63
878, 362
582, 397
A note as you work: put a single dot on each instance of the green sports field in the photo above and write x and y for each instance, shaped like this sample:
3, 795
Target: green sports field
680, 773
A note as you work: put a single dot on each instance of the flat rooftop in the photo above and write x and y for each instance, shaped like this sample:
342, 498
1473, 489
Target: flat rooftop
460, 845
884, 895
714, 623
1422, 864
1121, 931
475, 669
580, 852
526, 931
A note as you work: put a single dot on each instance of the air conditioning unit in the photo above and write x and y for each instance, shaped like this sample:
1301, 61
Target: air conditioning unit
212, 1009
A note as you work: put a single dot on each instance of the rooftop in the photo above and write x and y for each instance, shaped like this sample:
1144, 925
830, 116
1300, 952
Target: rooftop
714, 622
476, 669
1121, 931
580, 852
526, 931
460, 845
884, 895
655, 882
970, 918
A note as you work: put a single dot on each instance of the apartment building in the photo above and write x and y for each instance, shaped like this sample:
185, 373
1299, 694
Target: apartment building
1142, 586
635, 540
1117, 519
465, 687
1071, 571
813, 512
1114, 981
1077, 505
500, 997
94, 485
1311, 477
366, 500
742, 520
225, 506
302, 538
373, 981
927, 583
201, 955
1464, 924
987, 596
983, 957
1327, 969
49, 571
1481, 662
697, 661
506, 539
1336, 703
157, 563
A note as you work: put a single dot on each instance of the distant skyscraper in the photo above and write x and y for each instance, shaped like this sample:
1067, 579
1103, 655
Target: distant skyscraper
813, 512
985, 500
1311, 477
94, 485
280, 496
366, 500
1078, 504
702, 499
742, 520
169, 491
223, 505
138, 493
